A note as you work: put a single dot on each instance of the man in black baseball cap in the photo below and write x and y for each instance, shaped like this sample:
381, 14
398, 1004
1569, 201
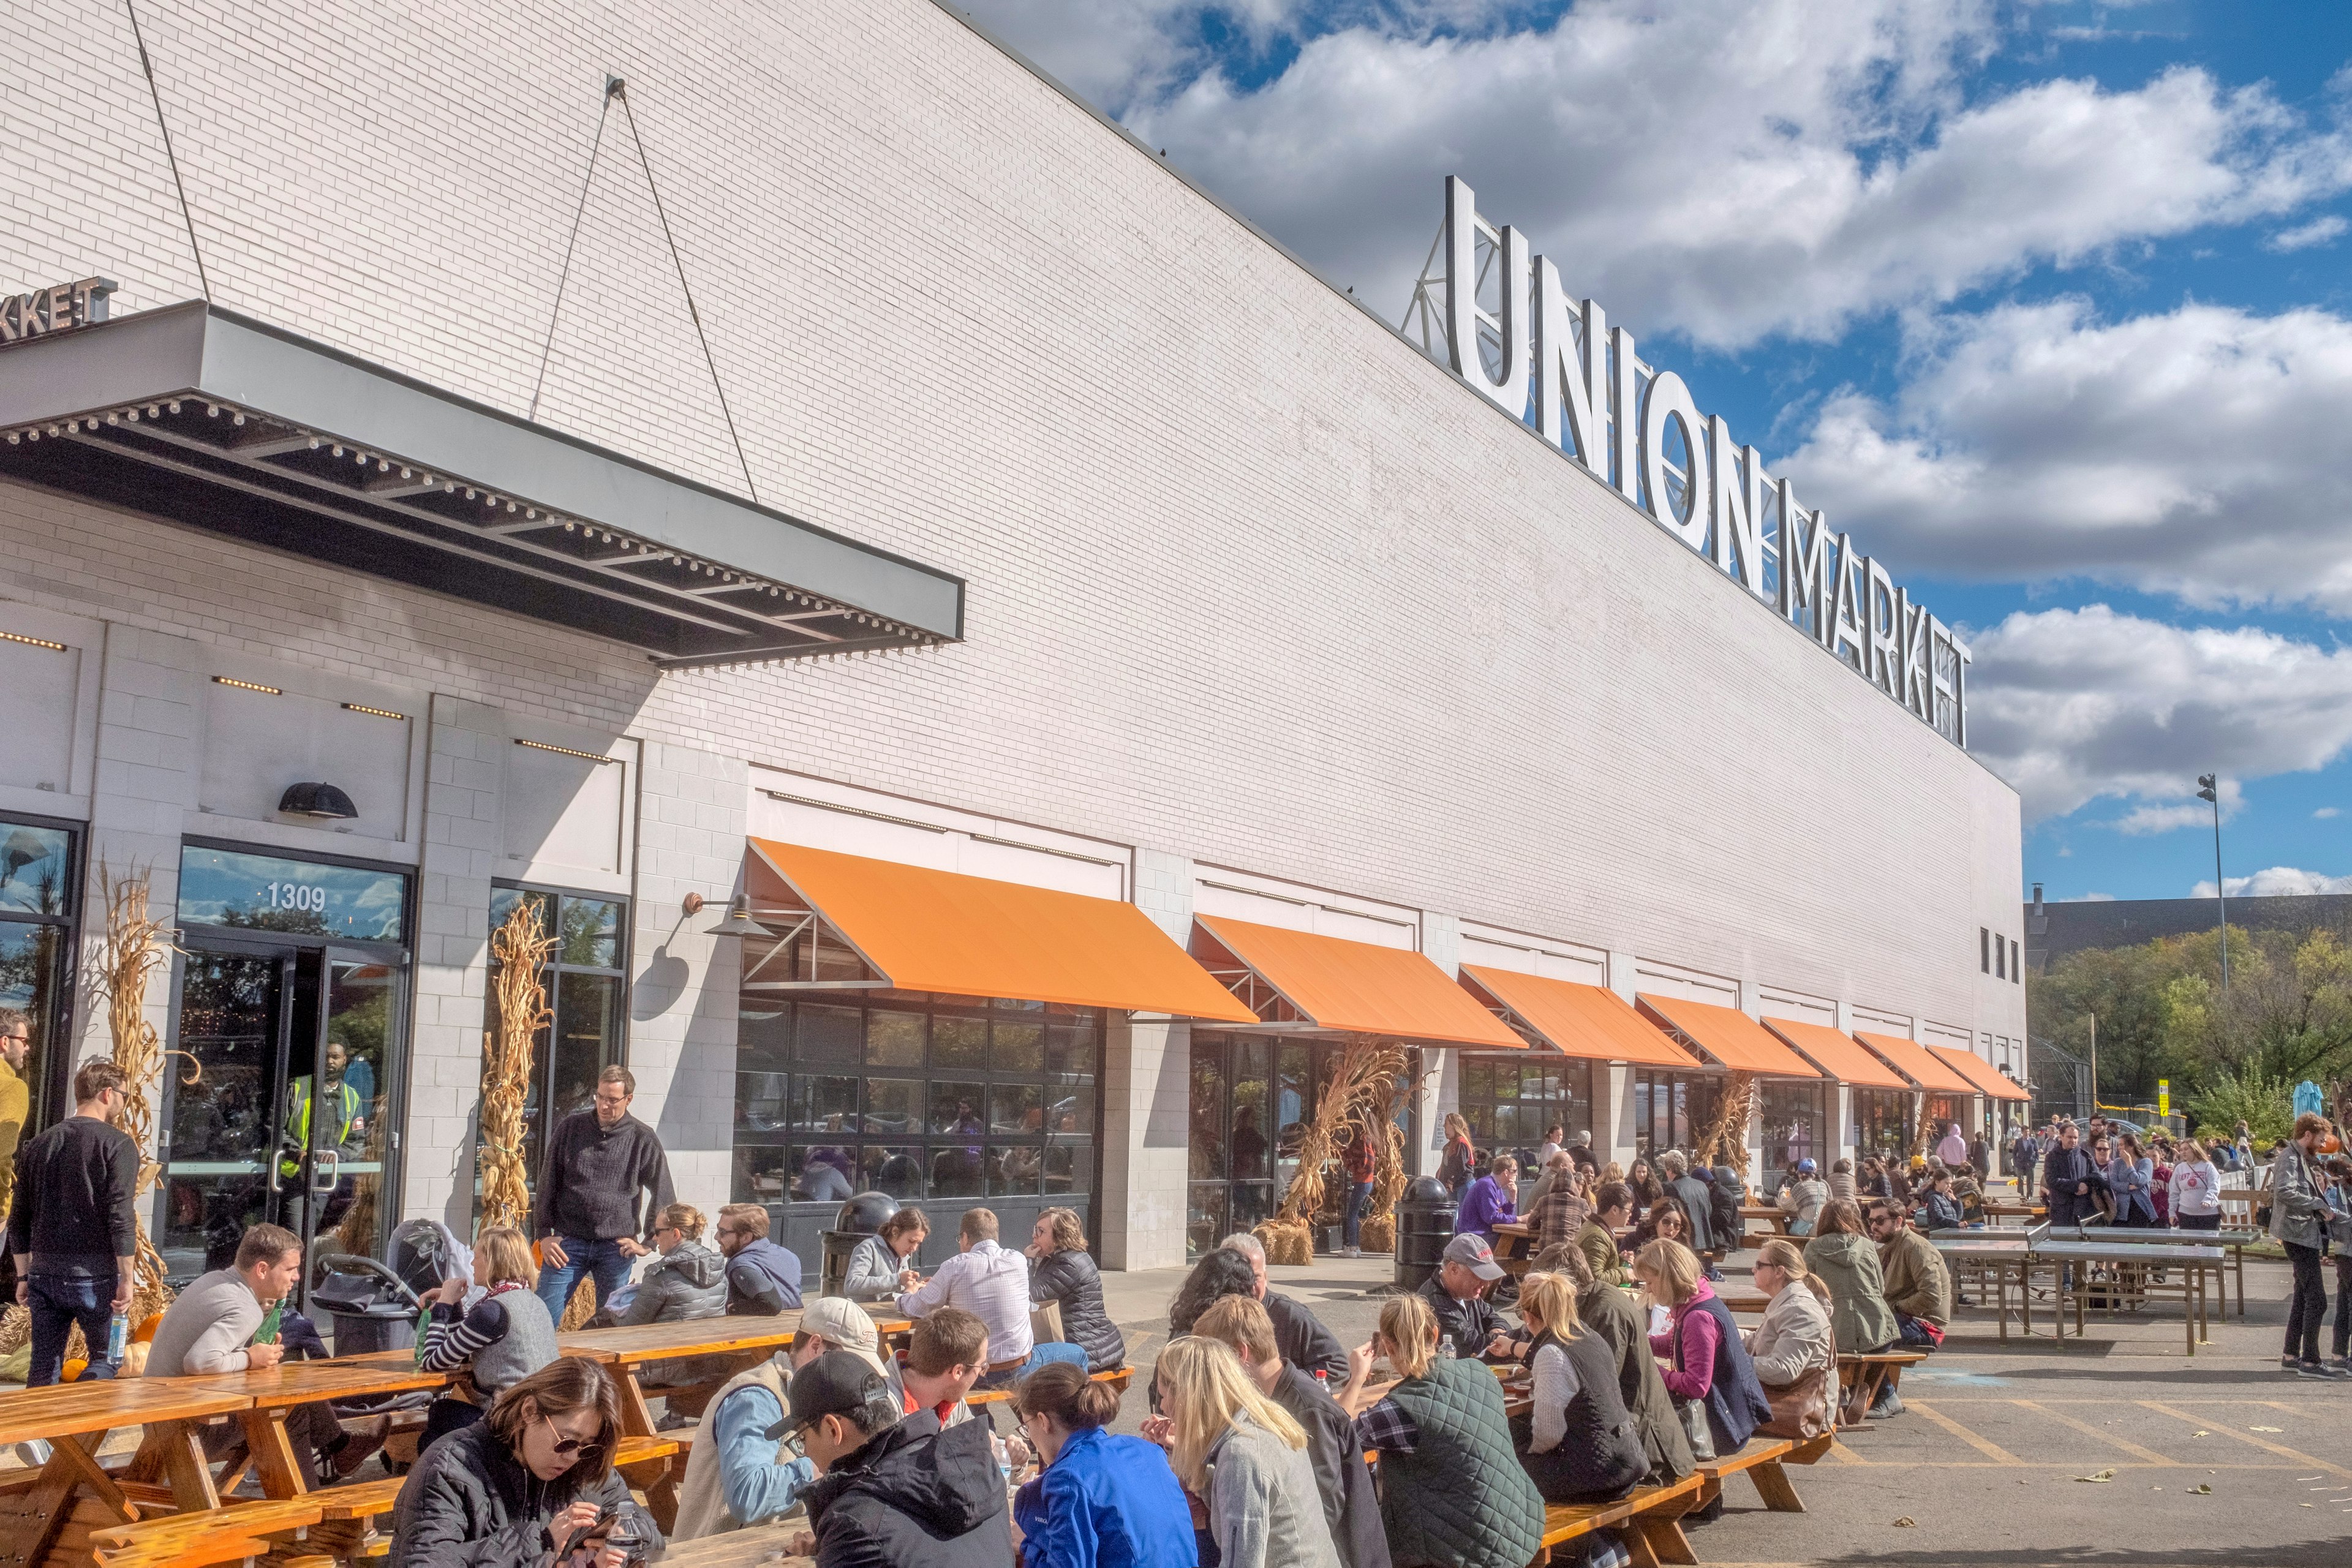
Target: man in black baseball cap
901, 1492
1456, 1293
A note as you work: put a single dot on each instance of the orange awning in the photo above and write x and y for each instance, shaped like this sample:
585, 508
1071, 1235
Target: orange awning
1916, 1062
1836, 1055
1589, 1021
1728, 1035
1989, 1078
1350, 987
921, 929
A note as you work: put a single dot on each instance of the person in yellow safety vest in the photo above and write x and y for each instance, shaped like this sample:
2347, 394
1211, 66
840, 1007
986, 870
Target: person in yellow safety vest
298, 1119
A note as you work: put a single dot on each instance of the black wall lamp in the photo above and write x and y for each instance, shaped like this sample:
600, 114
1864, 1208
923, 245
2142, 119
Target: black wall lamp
321, 801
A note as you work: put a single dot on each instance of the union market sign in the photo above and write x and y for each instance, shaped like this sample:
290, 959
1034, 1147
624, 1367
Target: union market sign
1559, 366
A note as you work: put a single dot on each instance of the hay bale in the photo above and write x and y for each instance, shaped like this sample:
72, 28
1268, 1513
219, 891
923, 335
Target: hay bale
1287, 1241
1377, 1233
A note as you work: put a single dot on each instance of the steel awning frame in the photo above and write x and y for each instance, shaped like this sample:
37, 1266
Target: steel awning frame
444, 492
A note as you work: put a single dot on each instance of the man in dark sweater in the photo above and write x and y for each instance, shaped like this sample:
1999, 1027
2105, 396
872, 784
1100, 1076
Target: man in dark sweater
604, 1179
2070, 1183
70, 1228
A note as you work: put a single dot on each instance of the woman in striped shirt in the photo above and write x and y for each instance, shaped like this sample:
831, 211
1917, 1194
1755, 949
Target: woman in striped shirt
499, 1341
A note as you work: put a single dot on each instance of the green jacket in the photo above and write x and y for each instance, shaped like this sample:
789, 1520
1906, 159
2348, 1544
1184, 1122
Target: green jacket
1460, 1500
1859, 1314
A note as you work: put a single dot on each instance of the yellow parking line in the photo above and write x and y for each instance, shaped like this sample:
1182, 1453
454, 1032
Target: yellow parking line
1990, 1450
2279, 1449
2146, 1456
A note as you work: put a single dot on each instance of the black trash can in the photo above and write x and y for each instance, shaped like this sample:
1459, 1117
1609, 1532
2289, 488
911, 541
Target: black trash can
860, 1217
1424, 1223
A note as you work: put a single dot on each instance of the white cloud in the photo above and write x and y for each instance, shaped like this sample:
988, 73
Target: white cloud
2326, 813
2072, 706
2319, 231
1729, 169
2277, 881
2146, 819
2197, 453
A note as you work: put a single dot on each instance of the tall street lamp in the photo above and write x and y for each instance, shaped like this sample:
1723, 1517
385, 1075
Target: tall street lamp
2209, 791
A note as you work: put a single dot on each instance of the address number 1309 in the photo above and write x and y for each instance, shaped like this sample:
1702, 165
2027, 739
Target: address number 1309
298, 896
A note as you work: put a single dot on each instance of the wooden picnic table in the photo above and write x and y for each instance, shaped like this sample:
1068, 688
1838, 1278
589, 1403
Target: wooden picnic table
739, 1548
74, 1418
272, 1395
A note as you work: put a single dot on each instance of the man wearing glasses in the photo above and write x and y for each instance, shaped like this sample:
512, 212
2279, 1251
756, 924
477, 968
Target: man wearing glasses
70, 1228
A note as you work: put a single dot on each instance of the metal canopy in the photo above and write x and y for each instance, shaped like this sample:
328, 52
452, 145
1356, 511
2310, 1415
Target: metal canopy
215, 421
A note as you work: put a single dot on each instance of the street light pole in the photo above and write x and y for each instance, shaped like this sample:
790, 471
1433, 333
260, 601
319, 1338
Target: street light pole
2209, 791
2094, 1062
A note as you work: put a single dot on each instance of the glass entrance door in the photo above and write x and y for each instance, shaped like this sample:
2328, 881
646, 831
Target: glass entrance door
283, 1122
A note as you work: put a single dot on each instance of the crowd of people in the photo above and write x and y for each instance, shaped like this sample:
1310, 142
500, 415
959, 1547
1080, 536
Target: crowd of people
1622, 1363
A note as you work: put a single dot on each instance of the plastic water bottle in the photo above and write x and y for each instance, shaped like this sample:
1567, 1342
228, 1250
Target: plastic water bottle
118, 1337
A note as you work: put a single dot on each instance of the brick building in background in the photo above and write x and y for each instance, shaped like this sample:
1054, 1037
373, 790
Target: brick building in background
1262, 671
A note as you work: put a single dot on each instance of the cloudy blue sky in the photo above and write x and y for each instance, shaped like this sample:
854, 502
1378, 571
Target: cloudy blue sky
2046, 303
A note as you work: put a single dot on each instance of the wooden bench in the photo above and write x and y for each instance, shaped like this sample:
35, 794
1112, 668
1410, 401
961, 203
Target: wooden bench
1119, 1378
1871, 1373
201, 1537
1650, 1521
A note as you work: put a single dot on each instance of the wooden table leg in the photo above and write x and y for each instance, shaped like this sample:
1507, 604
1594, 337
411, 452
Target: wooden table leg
1772, 1484
282, 1470
184, 1465
637, 1421
29, 1522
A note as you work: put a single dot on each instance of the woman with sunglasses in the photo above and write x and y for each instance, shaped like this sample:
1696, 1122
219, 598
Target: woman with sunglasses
537, 1470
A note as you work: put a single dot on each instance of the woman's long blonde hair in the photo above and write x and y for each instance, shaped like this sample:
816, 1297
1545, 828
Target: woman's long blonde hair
1671, 1267
1783, 1253
1206, 1388
1410, 1330
1547, 1301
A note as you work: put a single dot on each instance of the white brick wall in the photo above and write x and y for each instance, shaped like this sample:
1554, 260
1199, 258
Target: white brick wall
1251, 578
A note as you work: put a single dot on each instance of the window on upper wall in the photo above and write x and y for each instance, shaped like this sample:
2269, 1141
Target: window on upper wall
2016, 970
1999, 960
1984, 948
586, 982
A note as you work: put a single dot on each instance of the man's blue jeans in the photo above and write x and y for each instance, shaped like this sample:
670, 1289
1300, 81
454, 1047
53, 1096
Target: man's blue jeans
1359, 1194
57, 1305
604, 1259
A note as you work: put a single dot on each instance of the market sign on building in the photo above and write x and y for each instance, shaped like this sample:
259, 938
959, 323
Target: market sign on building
1559, 366
60, 308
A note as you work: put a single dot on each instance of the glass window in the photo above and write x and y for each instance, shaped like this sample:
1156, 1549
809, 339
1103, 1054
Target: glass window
894, 1039
264, 892
586, 988
1512, 1099
1795, 1125
928, 1097
36, 873
960, 1043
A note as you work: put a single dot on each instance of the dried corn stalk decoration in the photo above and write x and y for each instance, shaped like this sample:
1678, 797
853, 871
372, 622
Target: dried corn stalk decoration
1377, 1226
522, 945
1357, 1090
136, 952
1724, 1140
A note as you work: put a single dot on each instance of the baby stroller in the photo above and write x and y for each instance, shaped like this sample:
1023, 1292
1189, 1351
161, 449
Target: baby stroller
376, 1307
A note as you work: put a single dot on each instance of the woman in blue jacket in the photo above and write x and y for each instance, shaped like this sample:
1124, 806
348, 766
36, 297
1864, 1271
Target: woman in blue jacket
1101, 1500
